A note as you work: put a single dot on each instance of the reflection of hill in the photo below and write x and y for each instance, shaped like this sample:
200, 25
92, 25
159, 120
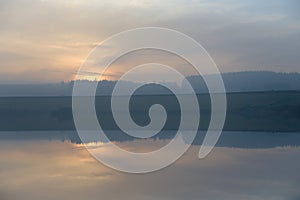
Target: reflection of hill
257, 111
227, 139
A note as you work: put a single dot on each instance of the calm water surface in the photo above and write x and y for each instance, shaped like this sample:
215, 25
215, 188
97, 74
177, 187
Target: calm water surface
54, 165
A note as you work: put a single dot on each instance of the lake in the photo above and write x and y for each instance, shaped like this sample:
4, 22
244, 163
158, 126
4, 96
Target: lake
55, 165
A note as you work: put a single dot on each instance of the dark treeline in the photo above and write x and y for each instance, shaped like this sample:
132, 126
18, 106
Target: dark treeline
234, 82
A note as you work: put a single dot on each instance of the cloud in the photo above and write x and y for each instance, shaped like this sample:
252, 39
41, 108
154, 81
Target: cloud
247, 35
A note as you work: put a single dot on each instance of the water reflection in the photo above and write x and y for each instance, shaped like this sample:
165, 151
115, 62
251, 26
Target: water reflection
239, 139
40, 166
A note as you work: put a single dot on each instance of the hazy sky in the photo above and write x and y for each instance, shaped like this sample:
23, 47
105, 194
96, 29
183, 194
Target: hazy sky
47, 40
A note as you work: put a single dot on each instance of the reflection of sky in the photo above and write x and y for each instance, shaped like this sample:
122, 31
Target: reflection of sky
56, 170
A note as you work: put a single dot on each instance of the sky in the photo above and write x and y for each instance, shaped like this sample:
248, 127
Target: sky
48, 40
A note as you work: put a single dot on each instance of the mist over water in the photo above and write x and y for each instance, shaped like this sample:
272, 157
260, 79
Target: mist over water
239, 58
